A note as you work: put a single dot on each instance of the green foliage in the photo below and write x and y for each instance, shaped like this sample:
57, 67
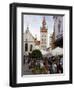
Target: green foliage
36, 54
38, 70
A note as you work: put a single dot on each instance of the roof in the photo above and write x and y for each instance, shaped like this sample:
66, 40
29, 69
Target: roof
28, 32
37, 42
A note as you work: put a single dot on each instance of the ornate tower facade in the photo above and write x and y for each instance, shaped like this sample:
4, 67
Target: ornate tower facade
43, 35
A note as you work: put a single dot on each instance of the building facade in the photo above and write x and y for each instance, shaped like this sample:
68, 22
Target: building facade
58, 30
29, 42
52, 41
43, 35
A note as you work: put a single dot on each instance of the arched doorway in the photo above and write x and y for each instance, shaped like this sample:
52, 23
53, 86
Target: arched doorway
26, 47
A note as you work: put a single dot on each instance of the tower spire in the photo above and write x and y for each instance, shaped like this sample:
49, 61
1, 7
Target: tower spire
27, 27
44, 22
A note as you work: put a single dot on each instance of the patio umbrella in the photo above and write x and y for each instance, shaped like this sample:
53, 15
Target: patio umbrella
57, 51
43, 52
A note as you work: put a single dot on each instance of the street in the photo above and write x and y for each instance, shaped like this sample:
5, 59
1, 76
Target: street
26, 70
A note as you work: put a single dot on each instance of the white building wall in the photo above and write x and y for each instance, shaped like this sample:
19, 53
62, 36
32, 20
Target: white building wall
28, 38
43, 38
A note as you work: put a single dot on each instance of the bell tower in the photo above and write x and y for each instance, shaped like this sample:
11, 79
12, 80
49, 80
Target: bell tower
43, 35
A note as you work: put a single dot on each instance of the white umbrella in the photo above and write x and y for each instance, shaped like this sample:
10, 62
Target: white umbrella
44, 52
57, 51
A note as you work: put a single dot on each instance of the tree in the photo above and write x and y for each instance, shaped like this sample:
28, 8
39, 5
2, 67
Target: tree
36, 54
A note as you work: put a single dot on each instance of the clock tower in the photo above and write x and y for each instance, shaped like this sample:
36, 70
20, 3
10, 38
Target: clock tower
43, 35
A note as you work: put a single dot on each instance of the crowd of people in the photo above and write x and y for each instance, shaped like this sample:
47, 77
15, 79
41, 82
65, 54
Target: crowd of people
52, 65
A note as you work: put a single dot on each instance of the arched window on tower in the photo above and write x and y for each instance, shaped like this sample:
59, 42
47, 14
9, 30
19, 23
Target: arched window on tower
31, 46
26, 47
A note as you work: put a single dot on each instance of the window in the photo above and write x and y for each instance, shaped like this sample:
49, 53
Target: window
26, 47
31, 47
42, 36
42, 39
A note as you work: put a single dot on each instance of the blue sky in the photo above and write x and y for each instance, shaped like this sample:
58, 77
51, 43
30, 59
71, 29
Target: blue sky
35, 22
